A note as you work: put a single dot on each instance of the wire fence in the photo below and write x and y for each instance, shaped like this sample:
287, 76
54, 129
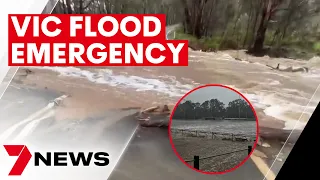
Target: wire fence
196, 159
213, 135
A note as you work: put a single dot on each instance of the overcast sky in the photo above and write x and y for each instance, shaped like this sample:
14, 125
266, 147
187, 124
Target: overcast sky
224, 95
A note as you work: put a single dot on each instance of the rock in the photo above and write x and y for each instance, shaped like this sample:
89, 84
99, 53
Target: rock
242, 139
28, 71
263, 144
259, 154
279, 159
157, 116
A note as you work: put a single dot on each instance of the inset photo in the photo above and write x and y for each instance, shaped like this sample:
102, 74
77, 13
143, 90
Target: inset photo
213, 129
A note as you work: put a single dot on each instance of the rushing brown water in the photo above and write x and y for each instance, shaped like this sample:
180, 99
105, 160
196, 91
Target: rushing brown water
277, 96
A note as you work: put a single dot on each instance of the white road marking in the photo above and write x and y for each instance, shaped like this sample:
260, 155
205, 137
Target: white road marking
295, 127
263, 167
117, 159
6, 85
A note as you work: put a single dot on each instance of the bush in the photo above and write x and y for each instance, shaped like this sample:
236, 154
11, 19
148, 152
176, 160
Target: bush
229, 44
316, 47
209, 43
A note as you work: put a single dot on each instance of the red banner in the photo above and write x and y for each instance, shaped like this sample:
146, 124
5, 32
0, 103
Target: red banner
93, 40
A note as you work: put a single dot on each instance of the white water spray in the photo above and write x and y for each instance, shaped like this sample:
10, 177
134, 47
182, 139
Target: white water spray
34, 119
29, 128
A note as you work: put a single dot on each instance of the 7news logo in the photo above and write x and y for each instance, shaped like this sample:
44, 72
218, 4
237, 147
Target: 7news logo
52, 158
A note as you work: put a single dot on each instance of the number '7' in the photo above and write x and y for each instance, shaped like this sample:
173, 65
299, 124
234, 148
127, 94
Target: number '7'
23, 159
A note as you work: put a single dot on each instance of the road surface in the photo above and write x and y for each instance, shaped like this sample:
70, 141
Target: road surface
148, 156
29, 116
17, 103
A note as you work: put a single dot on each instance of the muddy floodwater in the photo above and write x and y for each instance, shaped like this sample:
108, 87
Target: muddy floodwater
217, 126
278, 97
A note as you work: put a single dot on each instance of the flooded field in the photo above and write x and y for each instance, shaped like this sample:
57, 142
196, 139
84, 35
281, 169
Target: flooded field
226, 126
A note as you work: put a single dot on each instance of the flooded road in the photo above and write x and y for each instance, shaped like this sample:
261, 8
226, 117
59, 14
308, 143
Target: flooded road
278, 97
40, 124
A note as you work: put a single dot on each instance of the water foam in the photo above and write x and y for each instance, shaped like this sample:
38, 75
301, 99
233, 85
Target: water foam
315, 61
278, 108
277, 111
313, 73
106, 76
274, 82
272, 73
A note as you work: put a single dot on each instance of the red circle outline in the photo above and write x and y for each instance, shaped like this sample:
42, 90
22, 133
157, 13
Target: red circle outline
243, 161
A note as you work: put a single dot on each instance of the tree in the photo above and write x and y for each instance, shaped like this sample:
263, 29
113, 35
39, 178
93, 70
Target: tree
256, 25
239, 108
194, 12
269, 8
189, 110
216, 108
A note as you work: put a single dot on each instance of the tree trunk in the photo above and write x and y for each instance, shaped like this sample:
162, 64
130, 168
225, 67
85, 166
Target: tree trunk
261, 33
195, 29
68, 3
81, 7
198, 26
258, 44
254, 25
187, 20
248, 25
193, 22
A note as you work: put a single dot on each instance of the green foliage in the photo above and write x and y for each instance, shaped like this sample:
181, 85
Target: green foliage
229, 43
230, 24
213, 108
316, 47
269, 38
181, 35
213, 43
210, 44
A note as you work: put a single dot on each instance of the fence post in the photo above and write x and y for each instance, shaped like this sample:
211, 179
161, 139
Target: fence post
249, 149
196, 162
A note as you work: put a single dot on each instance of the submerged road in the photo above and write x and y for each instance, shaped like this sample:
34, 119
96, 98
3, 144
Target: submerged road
147, 156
